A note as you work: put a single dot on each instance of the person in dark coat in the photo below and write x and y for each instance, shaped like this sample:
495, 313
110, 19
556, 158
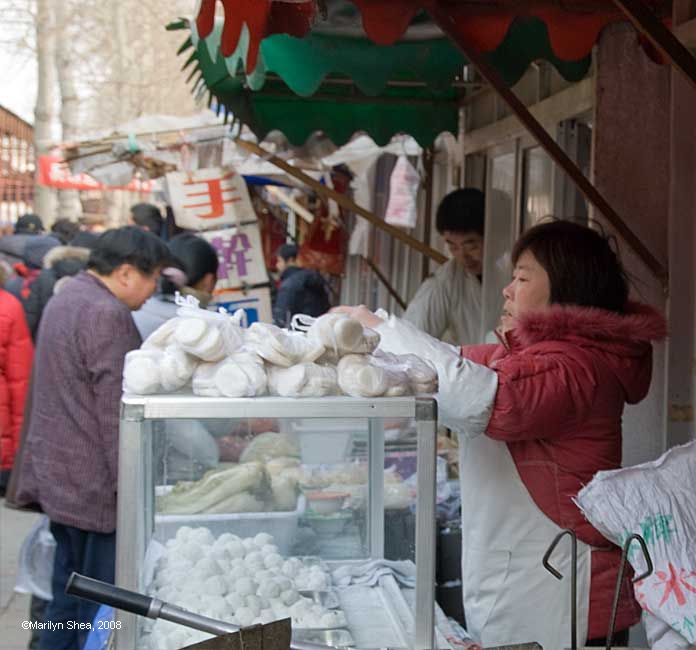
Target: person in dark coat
27, 271
301, 291
59, 263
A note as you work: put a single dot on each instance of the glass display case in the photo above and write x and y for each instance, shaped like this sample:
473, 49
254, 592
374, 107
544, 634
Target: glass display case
252, 510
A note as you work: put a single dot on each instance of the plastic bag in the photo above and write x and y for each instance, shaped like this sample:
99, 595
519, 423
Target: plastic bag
280, 347
656, 500
36, 561
338, 333
402, 209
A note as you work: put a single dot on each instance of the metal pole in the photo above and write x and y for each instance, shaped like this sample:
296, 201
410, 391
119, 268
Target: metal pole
449, 26
392, 291
428, 163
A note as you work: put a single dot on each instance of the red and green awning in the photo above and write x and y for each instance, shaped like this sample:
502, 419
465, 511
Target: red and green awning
341, 84
572, 25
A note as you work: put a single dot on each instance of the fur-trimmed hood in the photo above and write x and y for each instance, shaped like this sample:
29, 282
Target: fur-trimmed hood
623, 340
61, 253
639, 323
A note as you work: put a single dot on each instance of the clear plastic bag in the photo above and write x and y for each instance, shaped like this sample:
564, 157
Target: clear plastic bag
36, 561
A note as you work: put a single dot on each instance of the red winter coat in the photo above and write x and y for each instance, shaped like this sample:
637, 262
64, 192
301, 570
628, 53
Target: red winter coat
16, 356
564, 376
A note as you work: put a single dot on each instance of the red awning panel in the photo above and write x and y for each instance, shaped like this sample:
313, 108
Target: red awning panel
573, 25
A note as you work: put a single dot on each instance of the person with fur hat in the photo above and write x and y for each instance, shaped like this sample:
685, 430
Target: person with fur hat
59, 264
538, 415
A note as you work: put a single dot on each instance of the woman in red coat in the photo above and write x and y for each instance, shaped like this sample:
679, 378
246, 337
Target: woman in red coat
538, 415
16, 356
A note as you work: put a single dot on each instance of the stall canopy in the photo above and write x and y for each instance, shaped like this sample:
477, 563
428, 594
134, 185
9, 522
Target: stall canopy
338, 81
482, 31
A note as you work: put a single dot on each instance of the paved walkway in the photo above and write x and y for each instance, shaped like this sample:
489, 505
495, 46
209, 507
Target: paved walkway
14, 608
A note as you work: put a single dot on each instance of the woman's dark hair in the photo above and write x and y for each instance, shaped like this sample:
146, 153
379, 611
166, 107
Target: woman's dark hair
128, 245
583, 268
462, 211
194, 256
147, 215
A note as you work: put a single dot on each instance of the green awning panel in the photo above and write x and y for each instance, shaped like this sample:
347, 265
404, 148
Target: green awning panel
341, 85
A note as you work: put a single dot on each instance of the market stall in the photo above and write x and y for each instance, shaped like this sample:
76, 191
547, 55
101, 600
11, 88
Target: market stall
304, 525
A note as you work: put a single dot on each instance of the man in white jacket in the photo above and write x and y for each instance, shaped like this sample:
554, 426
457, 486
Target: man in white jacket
448, 304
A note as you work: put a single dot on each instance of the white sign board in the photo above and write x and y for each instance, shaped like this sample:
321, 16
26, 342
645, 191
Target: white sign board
206, 199
255, 302
241, 256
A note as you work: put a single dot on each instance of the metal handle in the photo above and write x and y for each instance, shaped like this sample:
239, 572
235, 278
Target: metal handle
619, 580
573, 579
101, 592
131, 601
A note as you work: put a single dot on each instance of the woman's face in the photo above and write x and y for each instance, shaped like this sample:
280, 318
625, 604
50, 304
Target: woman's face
530, 290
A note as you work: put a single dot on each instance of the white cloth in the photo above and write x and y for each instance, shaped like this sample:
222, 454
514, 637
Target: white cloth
448, 306
466, 390
508, 595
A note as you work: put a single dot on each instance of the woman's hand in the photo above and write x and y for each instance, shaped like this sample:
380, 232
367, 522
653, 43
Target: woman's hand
361, 314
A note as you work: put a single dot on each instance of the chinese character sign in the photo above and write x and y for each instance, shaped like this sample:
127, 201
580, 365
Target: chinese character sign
209, 198
241, 256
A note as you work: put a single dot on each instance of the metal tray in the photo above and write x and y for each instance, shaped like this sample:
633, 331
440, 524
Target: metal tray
328, 599
339, 638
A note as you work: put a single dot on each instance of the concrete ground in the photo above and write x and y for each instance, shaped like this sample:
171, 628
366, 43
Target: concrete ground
14, 608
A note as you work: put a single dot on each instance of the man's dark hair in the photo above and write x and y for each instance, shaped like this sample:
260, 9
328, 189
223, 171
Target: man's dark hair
65, 230
128, 245
288, 252
583, 268
29, 224
194, 256
462, 211
147, 216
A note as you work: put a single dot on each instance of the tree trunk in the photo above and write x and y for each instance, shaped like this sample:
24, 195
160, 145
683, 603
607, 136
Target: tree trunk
69, 205
44, 201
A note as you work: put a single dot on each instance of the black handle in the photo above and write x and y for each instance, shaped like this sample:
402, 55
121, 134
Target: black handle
106, 594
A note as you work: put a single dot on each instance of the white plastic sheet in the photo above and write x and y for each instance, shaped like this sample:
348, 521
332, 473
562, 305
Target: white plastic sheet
656, 500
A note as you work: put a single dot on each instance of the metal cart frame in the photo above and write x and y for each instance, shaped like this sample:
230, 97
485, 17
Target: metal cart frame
133, 531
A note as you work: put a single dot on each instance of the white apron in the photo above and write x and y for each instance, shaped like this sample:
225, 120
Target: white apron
509, 597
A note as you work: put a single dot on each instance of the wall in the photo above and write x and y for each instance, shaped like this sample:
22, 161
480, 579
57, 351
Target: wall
631, 169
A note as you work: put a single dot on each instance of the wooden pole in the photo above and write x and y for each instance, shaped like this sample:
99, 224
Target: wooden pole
392, 291
342, 200
648, 24
449, 26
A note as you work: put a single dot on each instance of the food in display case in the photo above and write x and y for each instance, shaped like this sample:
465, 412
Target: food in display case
244, 581
258, 535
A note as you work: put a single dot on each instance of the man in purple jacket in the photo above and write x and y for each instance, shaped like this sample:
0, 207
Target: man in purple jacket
70, 465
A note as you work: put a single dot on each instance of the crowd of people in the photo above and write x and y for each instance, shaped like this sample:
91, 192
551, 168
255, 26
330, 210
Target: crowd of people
537, 414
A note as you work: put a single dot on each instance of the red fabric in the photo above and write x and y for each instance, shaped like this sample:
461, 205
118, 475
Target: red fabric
16, 356
564, 377
262, 19
573, 27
